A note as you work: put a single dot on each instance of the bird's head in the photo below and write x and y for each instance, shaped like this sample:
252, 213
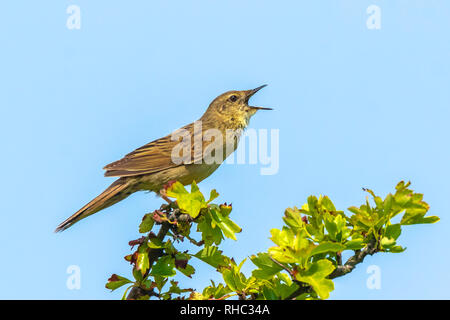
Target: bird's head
232, 109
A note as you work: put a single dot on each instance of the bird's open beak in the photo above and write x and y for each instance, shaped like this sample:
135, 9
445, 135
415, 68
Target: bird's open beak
252, 92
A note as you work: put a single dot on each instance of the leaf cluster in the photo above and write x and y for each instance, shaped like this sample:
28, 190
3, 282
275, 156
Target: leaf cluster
305, 257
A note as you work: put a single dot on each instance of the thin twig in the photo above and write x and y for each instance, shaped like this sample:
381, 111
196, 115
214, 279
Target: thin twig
341, 270
357, 258
291, 273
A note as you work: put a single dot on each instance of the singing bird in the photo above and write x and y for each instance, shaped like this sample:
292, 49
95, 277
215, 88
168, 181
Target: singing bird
151, 166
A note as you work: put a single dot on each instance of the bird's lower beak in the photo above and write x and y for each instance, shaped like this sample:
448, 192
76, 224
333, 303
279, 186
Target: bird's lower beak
260, 108
251, 93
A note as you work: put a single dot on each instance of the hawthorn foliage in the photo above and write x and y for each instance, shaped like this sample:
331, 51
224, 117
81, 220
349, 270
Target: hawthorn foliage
305, 257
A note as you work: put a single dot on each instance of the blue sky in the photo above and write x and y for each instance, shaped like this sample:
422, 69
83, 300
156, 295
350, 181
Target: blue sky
354, 107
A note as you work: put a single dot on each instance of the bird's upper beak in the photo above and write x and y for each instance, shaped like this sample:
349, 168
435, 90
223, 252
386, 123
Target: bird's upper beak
252, 92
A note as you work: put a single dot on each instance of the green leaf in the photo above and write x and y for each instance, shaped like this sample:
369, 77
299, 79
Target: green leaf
387, 242
147, 223
142, 262
137, 274
212, 195
175, 289
160, 282
327, 247
164, 267
327, 204
214, 291
311, 209
188, 271
169, 249
397, 249
388, 203
267, 268
279, 288
209, 233
228, 227
291, 247
190, 203
354, 244
378, 201
336, 225
175, 190
393, 231
363, 218
331, 227
413, 205
293, 219
116, 282
155, 243
234, 278
418, 219
212, 256
316, 275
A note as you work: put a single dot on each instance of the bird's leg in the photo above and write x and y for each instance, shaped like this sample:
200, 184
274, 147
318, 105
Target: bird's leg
162, 192
165, 198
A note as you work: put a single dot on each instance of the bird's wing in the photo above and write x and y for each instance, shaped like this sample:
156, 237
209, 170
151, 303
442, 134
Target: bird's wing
152, 157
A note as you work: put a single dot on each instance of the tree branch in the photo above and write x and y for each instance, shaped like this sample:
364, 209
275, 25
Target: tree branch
357, 258
153, 255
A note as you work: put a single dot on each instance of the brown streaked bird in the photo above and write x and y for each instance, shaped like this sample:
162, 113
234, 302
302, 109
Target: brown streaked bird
151, 166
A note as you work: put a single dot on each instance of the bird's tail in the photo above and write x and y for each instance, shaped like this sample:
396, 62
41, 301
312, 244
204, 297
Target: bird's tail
119, 190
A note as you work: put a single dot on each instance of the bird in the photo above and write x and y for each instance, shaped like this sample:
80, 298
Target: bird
152, 166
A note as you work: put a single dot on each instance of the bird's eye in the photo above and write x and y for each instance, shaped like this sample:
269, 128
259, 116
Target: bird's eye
233, 98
